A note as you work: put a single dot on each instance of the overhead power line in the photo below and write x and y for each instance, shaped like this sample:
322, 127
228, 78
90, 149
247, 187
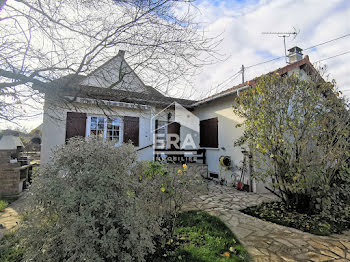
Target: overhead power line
231, 80
347, 52
225, 82
264, 62
228, 79
329, 41
326, 42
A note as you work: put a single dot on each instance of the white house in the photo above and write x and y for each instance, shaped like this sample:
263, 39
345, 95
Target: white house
112, 102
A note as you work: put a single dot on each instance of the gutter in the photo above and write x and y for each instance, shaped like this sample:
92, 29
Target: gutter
242, 88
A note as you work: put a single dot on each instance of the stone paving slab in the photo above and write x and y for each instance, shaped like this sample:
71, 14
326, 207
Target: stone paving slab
267, 241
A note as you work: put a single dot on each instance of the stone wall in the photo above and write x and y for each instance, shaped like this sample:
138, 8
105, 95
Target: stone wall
10, 181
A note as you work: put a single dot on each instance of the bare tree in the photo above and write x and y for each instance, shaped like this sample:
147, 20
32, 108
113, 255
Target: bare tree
44, 40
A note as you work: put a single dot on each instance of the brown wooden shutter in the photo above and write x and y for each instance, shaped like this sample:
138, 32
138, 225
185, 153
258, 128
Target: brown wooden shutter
174, 128
209, 133
131, 130
156, 126
75, 124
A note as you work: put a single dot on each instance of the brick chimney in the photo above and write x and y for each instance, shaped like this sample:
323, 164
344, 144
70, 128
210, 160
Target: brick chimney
121, 53
295, 54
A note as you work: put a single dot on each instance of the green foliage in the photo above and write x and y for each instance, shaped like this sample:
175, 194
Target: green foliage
3, 204
200, 237
317, 224
298, 131
10, 251
176, 187
89, 204
153, 169
96, 202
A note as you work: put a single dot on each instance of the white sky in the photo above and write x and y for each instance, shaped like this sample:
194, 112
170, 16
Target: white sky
244, 21
241, 24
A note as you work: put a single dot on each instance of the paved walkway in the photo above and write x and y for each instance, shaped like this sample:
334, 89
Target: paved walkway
10, 218
267, 241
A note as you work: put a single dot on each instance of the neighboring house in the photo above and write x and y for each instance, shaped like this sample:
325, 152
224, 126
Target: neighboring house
112, 102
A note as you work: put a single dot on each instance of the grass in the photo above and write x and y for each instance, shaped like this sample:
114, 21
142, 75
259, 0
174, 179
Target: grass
200, 237
277, 213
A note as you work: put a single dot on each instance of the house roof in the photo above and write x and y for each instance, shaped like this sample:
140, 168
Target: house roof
72, 87
151, 96
303, 63
10, 142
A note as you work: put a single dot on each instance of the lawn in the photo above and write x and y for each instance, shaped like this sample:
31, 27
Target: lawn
200, 237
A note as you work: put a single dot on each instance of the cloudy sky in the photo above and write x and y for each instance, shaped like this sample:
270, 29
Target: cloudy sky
241, 23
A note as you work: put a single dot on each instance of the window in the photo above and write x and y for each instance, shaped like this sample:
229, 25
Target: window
109, 129
97, 126
209, 133
114, 129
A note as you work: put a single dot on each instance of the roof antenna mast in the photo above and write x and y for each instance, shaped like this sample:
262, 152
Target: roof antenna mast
284, 35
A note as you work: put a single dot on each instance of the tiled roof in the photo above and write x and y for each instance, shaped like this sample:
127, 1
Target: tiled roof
154, 97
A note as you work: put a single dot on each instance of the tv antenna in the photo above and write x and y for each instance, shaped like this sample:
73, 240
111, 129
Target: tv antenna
284, 35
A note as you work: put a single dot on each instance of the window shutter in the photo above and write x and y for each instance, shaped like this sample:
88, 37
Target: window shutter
174, 128
131, 130
208, 136
75, 124
156, 126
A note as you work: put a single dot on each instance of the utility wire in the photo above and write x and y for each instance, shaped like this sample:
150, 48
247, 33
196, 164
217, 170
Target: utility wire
277, 58
347, 52
264, 62
228, 83
326, 42
227, 79
329, 41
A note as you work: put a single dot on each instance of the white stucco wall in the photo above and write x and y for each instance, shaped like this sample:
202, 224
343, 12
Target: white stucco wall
227, 134
54, 126
111, 74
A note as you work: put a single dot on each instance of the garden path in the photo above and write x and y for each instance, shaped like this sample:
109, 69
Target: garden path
10, 218
267, 241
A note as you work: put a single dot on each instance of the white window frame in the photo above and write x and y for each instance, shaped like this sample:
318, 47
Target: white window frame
121, 128
165, 127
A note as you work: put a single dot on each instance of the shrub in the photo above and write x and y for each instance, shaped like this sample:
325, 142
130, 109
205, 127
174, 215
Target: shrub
298, 131
10, 251
96, 202
317, 224
88, 204
3, 205
176, 186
